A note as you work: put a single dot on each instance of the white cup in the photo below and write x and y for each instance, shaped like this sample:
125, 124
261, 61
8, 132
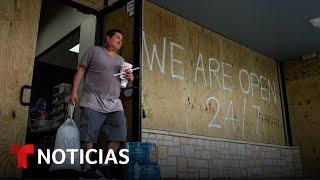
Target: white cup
124, 81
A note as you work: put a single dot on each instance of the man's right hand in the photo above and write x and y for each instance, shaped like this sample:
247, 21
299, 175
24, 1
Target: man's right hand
73, 98
76, 81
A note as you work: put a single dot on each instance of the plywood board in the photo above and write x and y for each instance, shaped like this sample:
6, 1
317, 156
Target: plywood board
18, 33
303, 94
196, 81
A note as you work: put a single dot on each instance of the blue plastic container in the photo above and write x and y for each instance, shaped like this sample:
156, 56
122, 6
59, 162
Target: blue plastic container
142, 152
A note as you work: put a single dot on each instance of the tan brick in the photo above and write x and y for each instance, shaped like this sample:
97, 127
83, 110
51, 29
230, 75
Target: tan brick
168, 172
201, 163
187, 151
182, 164
173, 151
172, 161
159, 136
192, 170
232, 148
168, 138
168, 143
213, 145
190, 162
145, 135
184, 141
206, 154
200, 142
163, 162
163, 152
193, 142
198, 147
213, 173
207, 146
220, 145
182, 175
152, 136
197, 154
216, 155
204, 173
176, 141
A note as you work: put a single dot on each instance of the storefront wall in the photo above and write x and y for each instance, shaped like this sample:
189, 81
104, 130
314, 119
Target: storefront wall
208, 98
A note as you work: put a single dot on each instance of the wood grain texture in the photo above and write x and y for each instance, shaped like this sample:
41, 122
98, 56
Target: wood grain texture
19, 21
190, 74
303, 94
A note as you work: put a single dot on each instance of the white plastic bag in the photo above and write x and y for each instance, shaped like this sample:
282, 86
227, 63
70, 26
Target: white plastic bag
67, 138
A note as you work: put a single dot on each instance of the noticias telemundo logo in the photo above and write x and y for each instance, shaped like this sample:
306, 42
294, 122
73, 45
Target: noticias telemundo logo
71, 156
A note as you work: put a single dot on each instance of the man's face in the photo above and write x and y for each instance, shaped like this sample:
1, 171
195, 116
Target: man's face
115, 41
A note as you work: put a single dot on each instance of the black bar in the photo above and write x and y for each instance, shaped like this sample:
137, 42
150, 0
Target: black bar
99, 38
285, 111
80, 7
136, 124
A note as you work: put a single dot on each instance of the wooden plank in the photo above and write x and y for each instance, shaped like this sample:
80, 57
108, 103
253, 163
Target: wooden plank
303, 94
18, 33
209, 85
160, 86
299, 69
119, 19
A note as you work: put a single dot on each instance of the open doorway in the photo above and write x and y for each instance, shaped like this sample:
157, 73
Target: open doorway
53, 71
57, 55
61, 29
51, 84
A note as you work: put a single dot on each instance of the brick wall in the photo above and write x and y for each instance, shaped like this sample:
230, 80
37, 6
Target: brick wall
191, 156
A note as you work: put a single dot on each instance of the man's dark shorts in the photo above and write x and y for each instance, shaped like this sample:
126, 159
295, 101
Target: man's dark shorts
111, 125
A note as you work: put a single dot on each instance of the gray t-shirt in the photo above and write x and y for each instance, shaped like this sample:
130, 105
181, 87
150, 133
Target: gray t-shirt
101, 89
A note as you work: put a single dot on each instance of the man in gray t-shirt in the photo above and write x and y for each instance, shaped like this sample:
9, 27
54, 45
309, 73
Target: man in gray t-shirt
101, 107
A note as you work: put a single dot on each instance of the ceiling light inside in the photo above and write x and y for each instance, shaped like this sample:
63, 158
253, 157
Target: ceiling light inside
315, 22
75, 48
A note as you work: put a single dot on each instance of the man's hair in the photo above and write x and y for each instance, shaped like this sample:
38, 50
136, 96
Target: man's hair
112, 32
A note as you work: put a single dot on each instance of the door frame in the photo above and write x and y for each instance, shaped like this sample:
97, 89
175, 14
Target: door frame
137, 103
